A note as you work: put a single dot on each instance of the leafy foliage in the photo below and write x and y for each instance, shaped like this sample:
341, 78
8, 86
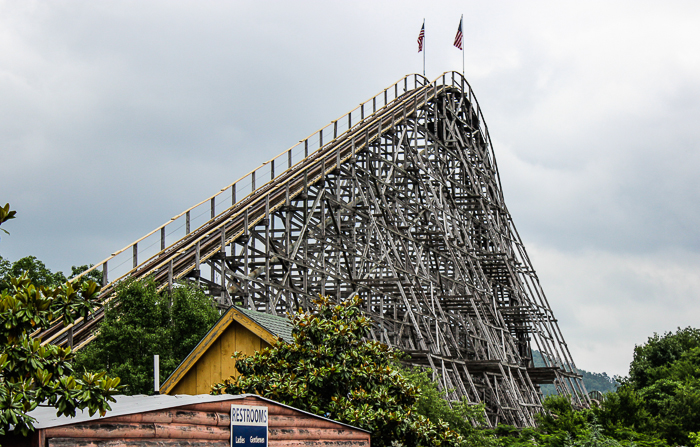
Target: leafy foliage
669, 356
5, 215
463, 417
143, 324
661, 396
657, 405
94, 275
624, 411
694, 439
39, 274
563, 426
35, 270
561, 417
330, 370
32, 373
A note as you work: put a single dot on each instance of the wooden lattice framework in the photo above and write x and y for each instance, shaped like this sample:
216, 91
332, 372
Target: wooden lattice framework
403, 207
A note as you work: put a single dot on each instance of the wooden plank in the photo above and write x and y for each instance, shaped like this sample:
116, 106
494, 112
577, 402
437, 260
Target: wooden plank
204, 376
174, 416
246, 341
316, 434
319, 443
127, 442
186, 385
228, 346
135, 430
213, 361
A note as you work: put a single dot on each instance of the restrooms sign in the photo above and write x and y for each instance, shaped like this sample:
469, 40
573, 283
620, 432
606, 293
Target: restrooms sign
248, 426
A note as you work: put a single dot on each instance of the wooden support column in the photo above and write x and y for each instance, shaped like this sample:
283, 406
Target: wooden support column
268, 251
222, 263
170, 276
305, 243
246, 270
197, 261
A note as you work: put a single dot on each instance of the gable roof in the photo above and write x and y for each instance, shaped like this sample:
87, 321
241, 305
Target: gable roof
268, 327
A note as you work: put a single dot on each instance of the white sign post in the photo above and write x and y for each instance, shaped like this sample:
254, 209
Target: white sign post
248, 426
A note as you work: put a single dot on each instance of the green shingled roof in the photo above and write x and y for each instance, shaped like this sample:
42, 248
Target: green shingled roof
277, 326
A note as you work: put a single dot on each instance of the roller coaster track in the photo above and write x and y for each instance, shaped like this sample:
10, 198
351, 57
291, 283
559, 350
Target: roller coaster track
398, 201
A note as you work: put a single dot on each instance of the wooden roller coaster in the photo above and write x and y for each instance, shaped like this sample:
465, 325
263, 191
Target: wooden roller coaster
400, 202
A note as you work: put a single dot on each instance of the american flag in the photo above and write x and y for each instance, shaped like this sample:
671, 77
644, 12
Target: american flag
458, 37
421, 36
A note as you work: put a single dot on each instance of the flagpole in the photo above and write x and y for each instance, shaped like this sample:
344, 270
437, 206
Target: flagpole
423, 46
460, 23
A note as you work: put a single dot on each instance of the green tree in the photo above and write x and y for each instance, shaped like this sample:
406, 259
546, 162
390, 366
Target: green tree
32, 373
463, 417
561, 417
660, 355
94, 275
330, 370
624, 411
661, 397
560, 425
144, 323
35, 270
40, 275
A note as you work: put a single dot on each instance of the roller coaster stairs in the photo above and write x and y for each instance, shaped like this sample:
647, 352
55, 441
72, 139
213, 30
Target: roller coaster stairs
400, 202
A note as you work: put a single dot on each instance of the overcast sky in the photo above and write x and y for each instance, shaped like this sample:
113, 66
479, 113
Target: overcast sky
117, 115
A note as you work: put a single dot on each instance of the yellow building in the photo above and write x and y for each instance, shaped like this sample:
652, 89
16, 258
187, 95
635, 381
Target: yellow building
210, 361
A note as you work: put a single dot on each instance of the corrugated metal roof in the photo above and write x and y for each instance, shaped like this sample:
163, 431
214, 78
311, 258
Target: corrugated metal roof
45, 416
279, 326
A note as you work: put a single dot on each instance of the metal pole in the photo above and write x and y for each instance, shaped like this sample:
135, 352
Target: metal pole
462, 28
156, 374
424, 47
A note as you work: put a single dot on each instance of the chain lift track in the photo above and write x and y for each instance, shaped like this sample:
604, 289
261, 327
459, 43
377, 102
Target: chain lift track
400, 202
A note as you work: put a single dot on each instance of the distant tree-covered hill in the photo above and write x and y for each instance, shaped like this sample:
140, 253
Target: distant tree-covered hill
598, 381
592, 380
